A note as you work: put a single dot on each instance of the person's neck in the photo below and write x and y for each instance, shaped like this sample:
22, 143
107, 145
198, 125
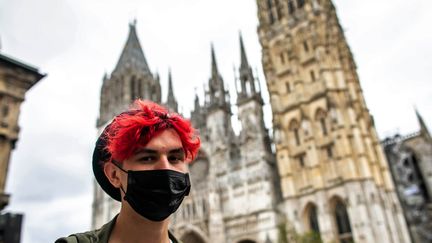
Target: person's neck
132, 227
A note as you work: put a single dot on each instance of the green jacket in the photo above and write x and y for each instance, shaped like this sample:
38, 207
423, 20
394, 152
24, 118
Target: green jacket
98, 236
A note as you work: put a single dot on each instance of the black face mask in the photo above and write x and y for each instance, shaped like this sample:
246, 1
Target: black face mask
156, 194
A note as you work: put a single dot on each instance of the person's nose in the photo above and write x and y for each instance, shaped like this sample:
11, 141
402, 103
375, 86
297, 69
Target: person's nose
163, 163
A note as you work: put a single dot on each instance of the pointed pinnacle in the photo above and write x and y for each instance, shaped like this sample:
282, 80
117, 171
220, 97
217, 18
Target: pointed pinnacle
421, 122
244, 61
132, 51
170, 86
213, 60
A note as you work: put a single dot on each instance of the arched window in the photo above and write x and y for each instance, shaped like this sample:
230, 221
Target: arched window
305, 46
288, 87
139, 92
294, 128
313, 219
270, 11
312, 74
291, 7
296, 136
320, 117
419, 175
5, 111
247, 241
300, 3
132, 88
278, 10
192, 237
342, 223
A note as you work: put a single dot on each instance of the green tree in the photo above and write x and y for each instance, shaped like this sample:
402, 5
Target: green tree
309, 237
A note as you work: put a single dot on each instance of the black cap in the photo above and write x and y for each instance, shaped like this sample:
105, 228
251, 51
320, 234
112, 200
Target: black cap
100, 156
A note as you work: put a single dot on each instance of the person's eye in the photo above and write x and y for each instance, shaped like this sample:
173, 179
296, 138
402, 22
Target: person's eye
147, 158
176, 158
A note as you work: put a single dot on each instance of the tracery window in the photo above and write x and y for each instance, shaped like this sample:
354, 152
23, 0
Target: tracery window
288, 87
139, 92
270, 11
132, 88
300, 3
313, 219
328, 151
282, 58
320, 117
278, 9
343, 223
312, 74
291, 7
305, 46
294, 128
301, 160
5, 111
419, 176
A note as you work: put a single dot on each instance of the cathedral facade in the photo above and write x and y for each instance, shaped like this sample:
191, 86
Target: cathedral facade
328, 174
410, 159
334, 176
235, 193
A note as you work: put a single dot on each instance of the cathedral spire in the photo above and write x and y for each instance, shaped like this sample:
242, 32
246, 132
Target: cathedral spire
423, 127
247, 80
217, 95
214, 67
196, 102
244, 64
171, 100
132, 54
170, 88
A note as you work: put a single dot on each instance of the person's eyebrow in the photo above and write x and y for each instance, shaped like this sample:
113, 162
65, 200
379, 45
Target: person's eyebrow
153, 151
147, 151
177, 150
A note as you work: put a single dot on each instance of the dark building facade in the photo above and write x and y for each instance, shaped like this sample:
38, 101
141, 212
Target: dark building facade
410, 160
16, 78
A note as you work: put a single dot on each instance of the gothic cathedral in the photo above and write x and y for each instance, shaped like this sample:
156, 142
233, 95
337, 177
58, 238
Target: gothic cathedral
334, 176
328, 176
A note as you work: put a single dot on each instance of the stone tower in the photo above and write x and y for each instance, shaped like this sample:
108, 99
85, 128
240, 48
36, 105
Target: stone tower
131, 79
235, 191
335, 179
16, 78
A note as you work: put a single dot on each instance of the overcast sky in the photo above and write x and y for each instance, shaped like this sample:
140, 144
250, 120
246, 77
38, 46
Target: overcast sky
76, 41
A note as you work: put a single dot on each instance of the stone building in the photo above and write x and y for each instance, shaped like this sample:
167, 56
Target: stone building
334, 176
328, 175
130, 79
230, 171
16, 78
410, 159
235, 188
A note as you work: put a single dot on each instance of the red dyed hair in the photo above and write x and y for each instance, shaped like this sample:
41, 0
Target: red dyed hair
134, 128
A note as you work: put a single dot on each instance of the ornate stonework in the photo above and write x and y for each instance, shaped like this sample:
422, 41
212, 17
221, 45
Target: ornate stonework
235, 189
16, 78
327, 150
410, 159
328, 175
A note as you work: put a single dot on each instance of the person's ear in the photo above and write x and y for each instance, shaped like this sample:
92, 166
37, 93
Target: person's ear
113, 174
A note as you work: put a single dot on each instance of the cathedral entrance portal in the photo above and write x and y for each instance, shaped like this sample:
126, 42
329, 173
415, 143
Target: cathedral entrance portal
192, 237
247, 241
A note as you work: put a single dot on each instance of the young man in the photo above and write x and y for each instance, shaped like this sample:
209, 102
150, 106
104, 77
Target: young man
140, 160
